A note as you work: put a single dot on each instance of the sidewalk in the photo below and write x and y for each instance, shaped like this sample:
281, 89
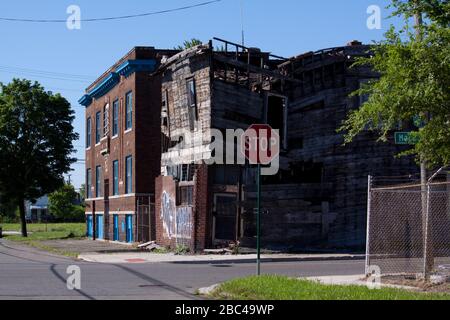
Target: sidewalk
148, 257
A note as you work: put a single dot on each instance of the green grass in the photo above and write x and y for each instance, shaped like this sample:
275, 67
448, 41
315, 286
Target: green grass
284, 288
44, 232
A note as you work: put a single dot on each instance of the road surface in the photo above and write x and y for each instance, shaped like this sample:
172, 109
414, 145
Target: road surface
27, 273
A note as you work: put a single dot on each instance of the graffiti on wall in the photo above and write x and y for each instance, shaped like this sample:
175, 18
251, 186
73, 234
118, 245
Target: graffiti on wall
184, 222
177, 222
168, 212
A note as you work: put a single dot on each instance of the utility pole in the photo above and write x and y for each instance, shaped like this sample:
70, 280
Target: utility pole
242, 23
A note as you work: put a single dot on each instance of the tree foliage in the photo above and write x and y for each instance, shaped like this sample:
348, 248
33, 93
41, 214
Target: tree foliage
414, 83
189, 44
36, 135
437, 11
62, 204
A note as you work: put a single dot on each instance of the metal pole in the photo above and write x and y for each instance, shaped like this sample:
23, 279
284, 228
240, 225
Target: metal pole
369, 204
427, 258
258, 221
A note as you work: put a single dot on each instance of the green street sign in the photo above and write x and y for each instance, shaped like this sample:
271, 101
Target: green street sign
406, 138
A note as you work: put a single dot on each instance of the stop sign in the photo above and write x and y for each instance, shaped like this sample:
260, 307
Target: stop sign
260, 144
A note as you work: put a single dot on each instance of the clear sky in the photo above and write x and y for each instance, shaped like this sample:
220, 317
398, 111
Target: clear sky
284, 27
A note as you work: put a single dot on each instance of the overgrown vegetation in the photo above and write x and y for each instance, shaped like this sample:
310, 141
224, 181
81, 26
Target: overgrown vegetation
62, 205
283, 288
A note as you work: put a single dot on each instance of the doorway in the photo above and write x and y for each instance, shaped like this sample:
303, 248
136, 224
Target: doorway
99, 232
129, 228
116, 227
225, 217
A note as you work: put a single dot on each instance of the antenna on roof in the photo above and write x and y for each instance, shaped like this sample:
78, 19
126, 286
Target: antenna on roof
242, 23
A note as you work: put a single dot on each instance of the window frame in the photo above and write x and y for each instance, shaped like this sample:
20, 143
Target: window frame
191, 90
98, 181
129, 175
88, 132
105, 120
89, 183
115, 170
115, 118
129, 111
98, 134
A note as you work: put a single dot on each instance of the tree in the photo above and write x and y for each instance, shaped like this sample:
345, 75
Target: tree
36, 135
413, 89
62, 204
82, 192
7, 209
189, 44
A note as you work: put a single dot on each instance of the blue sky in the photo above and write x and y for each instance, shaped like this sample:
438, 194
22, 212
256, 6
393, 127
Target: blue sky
284, 27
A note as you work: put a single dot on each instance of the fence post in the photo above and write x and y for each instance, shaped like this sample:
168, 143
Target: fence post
369, 204
428, 258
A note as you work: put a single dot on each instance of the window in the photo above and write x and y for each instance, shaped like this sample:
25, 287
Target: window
116, 178
98, 134
88, 132
165, 110
98, 181
115, 125
185, 195
129, 175
192, 103
106, 120
89, 183
187, 173
129, 111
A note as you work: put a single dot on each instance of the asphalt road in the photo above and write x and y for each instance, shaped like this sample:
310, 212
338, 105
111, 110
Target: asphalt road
27, 273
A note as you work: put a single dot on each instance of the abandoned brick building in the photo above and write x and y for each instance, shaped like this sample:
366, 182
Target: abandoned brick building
123, 146
318, 198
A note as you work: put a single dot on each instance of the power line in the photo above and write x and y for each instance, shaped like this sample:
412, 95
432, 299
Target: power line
111, 18
49, 73
45, 76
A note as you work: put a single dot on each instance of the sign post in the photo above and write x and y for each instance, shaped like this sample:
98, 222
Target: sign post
258, 222
261, 145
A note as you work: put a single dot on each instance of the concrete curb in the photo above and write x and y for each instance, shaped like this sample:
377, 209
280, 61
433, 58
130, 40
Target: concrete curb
209, 259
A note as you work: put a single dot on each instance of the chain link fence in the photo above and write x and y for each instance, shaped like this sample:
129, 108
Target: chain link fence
409, 225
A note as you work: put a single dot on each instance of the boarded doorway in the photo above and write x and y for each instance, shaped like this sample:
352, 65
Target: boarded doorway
145, 220
225, 217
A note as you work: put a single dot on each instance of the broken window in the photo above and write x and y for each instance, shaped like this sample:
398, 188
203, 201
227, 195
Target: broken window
165, 110
277, 116
192, 103
187, 173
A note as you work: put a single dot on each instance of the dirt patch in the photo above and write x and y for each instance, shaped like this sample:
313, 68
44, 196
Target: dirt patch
411, 281
87, 246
